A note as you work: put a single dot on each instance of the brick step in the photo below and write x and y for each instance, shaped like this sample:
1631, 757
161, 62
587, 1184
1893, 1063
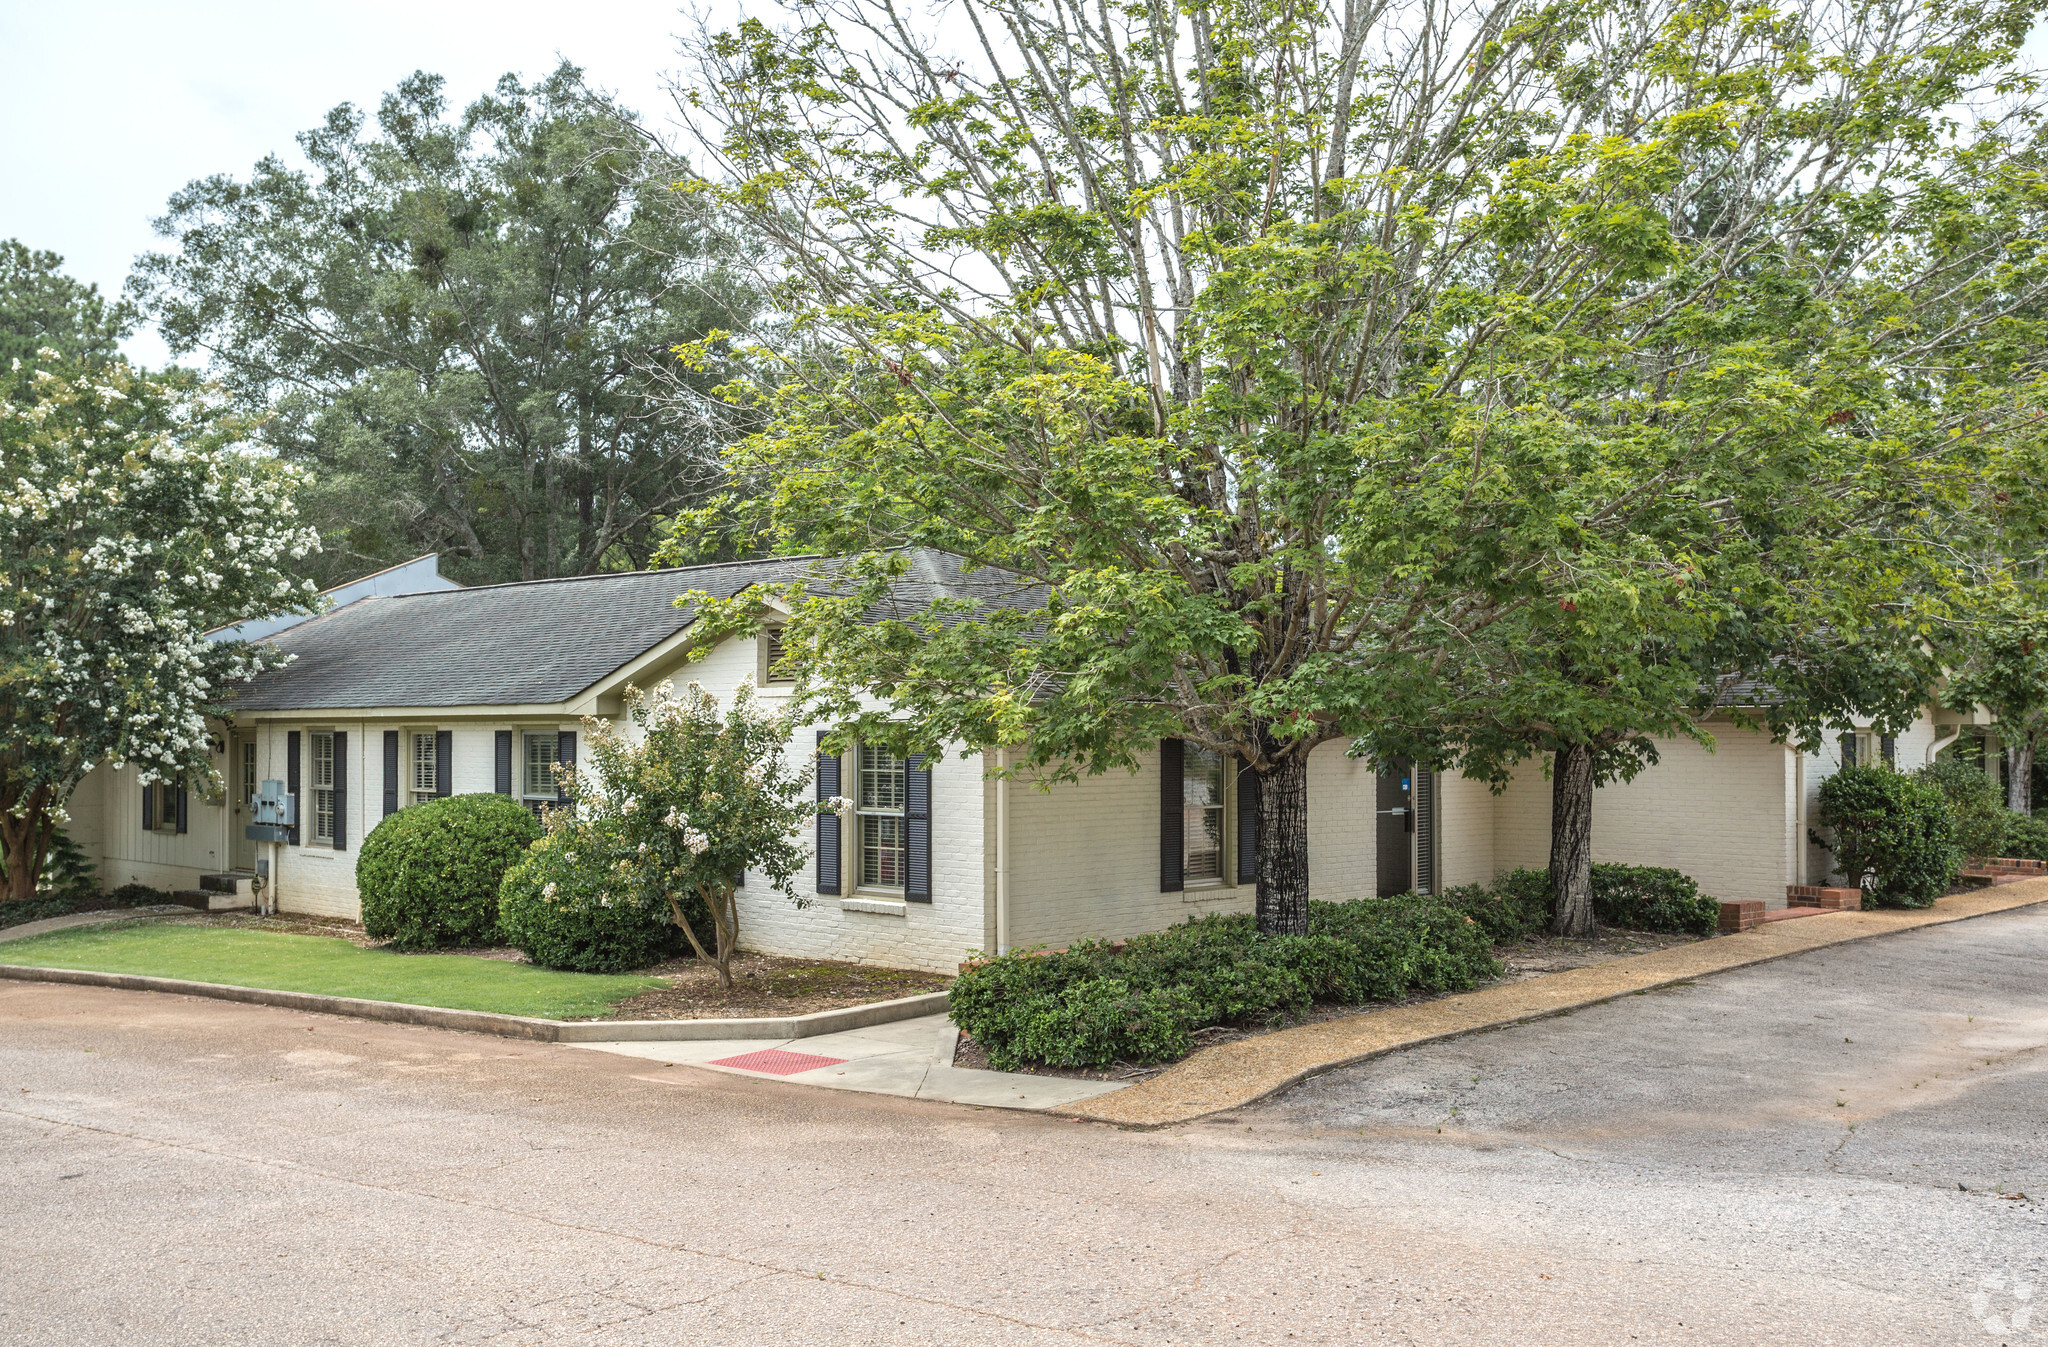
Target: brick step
1789, 913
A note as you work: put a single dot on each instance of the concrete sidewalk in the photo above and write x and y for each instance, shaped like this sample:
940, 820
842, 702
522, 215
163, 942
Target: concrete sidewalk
1231, 1075
912, 1059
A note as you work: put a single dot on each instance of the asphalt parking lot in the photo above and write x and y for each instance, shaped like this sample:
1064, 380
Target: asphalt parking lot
1824, 1149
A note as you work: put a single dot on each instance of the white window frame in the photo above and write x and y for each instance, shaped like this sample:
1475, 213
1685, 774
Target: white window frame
884, 817
413, 739
527, 797
319, 794
1194, 814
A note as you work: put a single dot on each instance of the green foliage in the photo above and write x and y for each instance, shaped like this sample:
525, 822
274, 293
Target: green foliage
1891, 834
702, 796
1578, 395
429, 875
459, 320
2025, 837
138, 895
575, 901
41, 308
1652, 898
1095, 1003
135, 520
2003, 665
1980, 818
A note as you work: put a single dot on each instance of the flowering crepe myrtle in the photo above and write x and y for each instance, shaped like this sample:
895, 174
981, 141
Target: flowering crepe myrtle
690, 796
134, 522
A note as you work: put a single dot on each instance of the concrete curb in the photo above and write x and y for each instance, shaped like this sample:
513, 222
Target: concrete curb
505, 1026
1232, 1075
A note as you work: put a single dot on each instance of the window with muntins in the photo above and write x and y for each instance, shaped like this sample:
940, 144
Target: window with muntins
1202, 828
537, 780
248, 772
323, 786
425, 767
878, 807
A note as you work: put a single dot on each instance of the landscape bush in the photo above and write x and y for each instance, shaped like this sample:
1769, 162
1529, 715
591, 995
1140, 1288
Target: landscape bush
1515, 907
1630, 897
429, 875
1096, 1003
2024, 836
1892, 835
1976, 806
576, 903
1652, 898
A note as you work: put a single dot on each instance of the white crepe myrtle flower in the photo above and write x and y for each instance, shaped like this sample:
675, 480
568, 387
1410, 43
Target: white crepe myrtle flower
547, 890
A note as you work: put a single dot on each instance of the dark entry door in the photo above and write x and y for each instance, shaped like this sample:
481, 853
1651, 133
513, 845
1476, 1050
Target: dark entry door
1395, 815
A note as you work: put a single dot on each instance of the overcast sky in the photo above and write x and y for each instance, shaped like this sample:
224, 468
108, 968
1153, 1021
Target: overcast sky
111, 107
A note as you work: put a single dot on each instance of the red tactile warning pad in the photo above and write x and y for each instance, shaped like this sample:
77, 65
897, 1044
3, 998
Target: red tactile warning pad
776, 1062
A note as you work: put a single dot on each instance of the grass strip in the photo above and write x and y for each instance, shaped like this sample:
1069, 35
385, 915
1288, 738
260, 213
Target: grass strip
328, 967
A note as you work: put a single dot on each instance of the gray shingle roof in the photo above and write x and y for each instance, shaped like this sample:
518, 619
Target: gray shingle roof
534, 643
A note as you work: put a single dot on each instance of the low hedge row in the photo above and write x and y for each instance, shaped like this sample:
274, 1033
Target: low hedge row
1631, 897
1096, 1003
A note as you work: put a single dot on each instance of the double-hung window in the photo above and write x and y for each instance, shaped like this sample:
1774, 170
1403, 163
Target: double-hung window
537, 787
1202, 828
878, 817
323, 786
425, 766
248, 772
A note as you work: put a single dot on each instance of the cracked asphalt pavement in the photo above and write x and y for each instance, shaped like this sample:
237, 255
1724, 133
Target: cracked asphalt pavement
1827, 1149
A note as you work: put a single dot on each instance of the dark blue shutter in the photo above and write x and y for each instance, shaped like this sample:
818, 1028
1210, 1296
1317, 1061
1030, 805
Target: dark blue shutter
341, 790
1890, 749
1848, 742
181, 804
565, 756
1425, 831
1247, 824
148, 808
504, 762
828, 823
1172, 815
917, 830
291, 782
390, 772
444, 763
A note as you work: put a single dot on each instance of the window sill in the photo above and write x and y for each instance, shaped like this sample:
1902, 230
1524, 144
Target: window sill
883, 907
1208, 893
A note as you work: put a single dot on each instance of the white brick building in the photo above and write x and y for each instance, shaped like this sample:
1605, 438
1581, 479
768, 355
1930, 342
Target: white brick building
395, 698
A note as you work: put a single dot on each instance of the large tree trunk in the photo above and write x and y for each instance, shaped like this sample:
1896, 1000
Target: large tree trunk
2019, 776
1571, 843
24, 843
1283, 847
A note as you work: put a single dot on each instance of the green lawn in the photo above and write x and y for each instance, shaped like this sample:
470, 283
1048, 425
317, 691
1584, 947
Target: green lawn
331, 967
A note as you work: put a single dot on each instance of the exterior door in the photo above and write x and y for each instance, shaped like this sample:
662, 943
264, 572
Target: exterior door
241, 784
1395, 834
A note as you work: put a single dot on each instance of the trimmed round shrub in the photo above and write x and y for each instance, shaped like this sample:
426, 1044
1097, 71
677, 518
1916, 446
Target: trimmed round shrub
1892, 834
429, 875
573, 903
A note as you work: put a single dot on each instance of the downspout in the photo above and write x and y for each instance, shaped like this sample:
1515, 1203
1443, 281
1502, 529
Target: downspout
1934, 744
1002, 851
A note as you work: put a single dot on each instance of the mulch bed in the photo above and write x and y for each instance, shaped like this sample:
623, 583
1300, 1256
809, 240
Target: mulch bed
1532, 957
768, 985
